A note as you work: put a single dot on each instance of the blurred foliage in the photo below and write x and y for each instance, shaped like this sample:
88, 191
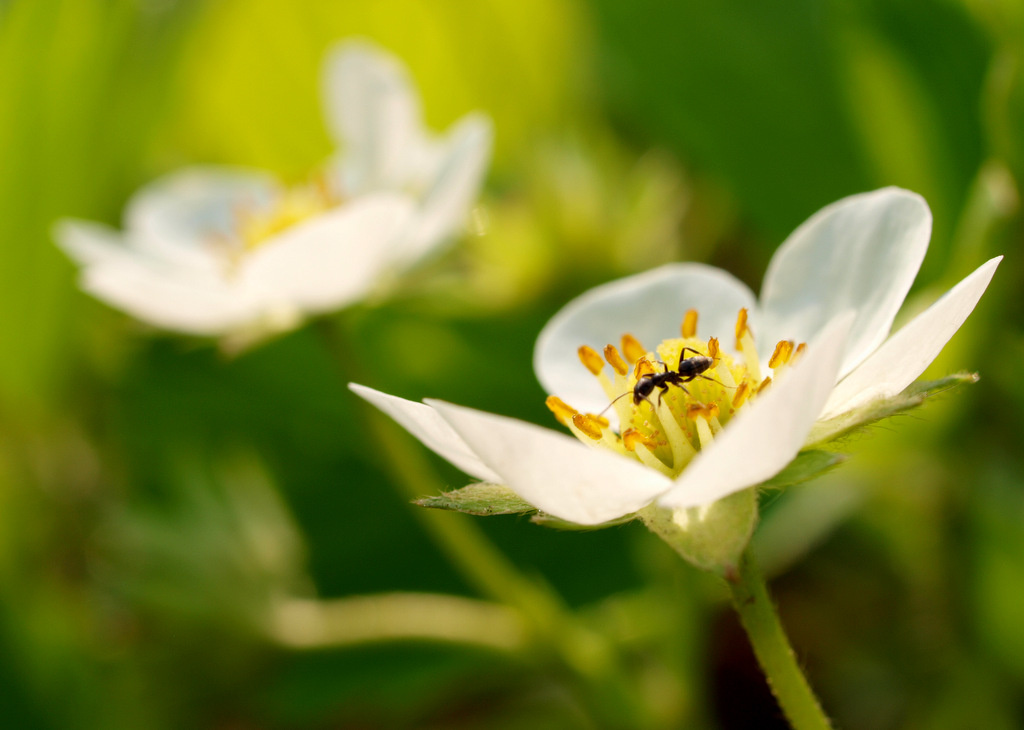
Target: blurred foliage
157, 498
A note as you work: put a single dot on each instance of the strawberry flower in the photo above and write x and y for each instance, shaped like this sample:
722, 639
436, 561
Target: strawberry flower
220, 250
809, 359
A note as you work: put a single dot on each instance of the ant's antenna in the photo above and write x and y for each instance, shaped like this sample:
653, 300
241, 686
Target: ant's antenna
617, 398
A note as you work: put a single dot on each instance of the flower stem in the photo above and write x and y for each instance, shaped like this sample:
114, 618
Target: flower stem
305, 623
772, 648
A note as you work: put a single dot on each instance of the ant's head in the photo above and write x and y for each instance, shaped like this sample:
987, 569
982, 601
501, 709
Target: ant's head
643, 389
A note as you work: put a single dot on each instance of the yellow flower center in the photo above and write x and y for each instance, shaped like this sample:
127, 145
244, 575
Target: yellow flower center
257, 225
673, 402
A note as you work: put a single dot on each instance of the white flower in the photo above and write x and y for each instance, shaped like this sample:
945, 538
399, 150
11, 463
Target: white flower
214, 251
836, 284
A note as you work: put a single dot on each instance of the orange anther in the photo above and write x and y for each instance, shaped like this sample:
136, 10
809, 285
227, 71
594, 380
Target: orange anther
741, 326
689, 328
764, 384
615, 359
742, 391
713, 348
590, 359
643, 367
587, 425
703, 410
562, 410
783, 352
631, 437
632, 348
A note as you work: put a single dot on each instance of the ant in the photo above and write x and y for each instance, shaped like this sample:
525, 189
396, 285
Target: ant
689, 368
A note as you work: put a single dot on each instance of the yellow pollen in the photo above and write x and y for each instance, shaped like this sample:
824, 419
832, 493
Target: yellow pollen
631, 438
587, 425
741, 327
783, 353
764, 384
742, 391
632, 348
590, 359
562, 410
689, 328
713, 348
643, 367
615, 359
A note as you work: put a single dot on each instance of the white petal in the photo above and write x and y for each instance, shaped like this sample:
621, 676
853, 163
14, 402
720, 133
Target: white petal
650, 306
861, 254
426, 424
764, 437
451, 188
372, 110
905, 355
88, 243
332, 259
183, 300
183, 216
554, 472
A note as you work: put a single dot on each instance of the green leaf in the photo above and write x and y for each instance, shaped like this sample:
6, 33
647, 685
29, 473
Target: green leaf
916, 394
482, 499
807, 465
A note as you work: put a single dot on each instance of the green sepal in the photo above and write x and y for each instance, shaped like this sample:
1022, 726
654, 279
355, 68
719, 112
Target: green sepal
481, 499
712, 537
806, 465
557, 523
914, 395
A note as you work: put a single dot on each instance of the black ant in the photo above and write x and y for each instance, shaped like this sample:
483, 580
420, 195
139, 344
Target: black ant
689, 368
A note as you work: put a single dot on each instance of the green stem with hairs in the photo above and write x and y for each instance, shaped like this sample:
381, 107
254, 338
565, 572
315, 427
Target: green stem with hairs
772, 648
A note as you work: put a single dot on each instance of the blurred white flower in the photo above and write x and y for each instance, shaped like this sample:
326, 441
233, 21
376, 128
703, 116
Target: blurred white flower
836, 284
214, 251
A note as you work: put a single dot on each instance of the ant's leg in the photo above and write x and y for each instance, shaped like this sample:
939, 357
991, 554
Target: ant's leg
683, 352
706, 377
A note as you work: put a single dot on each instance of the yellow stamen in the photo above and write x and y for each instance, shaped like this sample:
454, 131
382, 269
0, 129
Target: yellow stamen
741, 327
631, 438
689, 328
590, 359
587, 425
798, 353
562, 410
599, 420
742, 391
781, 356
682, 449
643, 367
764, 384
615, 359
632, 348
704, 431
643, 447
746, 345
713, 348
701, 410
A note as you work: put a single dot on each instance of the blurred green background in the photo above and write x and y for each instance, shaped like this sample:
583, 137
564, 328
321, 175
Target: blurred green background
158, 499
